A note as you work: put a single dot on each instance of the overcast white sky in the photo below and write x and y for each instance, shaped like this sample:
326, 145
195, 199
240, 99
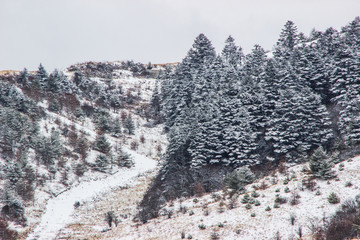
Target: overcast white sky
59, 33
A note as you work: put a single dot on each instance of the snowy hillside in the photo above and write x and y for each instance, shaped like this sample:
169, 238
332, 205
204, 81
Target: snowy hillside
132, 146
217, 214
59, 209
219, 146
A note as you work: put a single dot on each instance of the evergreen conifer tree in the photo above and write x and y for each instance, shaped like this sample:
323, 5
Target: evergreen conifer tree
320, 165
129, 125
102, 144
42, 77
102, 163
232, 54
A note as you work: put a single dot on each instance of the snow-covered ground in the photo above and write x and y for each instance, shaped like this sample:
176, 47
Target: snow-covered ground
59, 209
212, 210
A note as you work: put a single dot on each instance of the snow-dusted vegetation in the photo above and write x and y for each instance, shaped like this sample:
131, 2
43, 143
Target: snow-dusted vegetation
219, 146
61, 131
290, 204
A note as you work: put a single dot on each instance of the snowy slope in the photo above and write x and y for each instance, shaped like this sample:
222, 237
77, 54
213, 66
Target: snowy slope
236, 223
53, 201
59, 209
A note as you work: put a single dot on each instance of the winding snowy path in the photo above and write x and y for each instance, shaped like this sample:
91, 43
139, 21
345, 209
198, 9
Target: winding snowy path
59, 209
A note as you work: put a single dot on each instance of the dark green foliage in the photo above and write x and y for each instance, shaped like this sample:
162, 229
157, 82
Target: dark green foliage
155, 102
202, 226
128, 124
79, 113
12, 97
14, 173
231, 111
236, 180
16, 130
123, 159
102, 163
80, 169
82, 147
333, 198
320, 166
15, 211
248, 206
255, 194
49, 149
54, 105
231, 53
23, 78
102, 120
110, 218
116, 128
41, 77
245, 198
101, 144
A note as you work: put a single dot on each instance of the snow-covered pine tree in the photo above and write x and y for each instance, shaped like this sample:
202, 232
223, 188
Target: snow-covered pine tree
23, 78
116, 127
102, 163
102, 144
129, 125
345, 85
286, 43
352, 33
349, 115
41, 77
155, 101
232, 54
320, 166
253, 67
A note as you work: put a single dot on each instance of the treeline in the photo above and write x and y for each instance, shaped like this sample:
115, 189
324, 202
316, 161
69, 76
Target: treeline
107, 69
229, 110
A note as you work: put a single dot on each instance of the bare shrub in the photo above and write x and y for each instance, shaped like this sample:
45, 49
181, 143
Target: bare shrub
123, 116
134, 145
263, 185
159, 148
142, 139
70, 101
206, 211
72, 138
317, 230
299, 232
292, 218
110, 218
339, 229
5, 232
199, 189
294, 199
350, 206
282, 167
309, 184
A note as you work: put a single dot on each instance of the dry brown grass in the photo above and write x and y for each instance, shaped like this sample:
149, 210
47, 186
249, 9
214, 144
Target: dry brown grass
90, 215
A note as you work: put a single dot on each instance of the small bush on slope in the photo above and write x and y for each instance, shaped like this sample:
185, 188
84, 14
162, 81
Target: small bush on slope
333, 198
